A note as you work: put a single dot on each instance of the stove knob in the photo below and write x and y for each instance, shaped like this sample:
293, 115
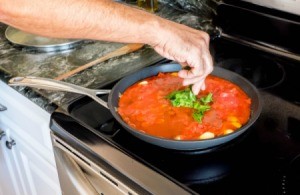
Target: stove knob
10, 144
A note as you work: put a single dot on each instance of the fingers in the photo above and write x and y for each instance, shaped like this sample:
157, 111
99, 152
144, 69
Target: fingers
198, 86
196, 68
192, 72
207, 62
197, 74
189, 47
190, 81
203, 86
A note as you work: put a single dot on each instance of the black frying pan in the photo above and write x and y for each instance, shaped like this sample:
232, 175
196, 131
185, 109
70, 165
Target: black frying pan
127, 81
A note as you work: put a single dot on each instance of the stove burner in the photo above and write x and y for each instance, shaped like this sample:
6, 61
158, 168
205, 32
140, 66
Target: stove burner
203, 170
204, 166
261, 72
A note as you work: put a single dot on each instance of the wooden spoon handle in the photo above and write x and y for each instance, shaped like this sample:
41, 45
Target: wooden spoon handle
119, 52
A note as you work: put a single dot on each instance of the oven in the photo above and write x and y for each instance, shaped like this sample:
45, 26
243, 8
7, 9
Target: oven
95, 155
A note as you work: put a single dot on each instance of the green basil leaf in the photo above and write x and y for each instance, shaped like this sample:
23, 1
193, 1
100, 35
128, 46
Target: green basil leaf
186, 98
207, 99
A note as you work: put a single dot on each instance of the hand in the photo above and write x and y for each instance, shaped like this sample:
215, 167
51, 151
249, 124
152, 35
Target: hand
189, 47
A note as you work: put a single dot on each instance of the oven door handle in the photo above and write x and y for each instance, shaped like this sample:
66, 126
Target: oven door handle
71, 174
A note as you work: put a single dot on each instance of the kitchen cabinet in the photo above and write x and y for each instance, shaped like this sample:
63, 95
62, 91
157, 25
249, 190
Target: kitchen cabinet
26, 155
9, 184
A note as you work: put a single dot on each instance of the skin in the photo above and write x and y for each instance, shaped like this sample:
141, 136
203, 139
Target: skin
110, 21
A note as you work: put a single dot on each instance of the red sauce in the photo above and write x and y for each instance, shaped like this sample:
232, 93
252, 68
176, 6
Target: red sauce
144, 107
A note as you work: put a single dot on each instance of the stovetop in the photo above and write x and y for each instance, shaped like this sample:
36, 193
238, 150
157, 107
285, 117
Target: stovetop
265, 159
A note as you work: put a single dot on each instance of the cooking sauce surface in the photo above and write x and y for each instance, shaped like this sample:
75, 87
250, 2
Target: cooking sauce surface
144, 107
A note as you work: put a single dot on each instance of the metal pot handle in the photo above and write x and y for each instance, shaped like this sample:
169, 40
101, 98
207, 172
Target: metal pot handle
54, 85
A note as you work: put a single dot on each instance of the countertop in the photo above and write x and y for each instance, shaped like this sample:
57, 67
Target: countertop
21, 61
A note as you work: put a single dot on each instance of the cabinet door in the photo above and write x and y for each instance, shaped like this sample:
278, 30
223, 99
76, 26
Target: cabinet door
10, 183
31, 161
33, 121
38, 175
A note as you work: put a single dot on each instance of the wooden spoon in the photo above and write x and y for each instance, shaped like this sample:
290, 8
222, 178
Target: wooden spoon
119, 52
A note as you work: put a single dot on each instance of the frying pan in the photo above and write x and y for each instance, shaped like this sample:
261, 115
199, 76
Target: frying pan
127, 81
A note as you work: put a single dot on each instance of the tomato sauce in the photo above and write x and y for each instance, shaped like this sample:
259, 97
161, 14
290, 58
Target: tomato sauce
144, 107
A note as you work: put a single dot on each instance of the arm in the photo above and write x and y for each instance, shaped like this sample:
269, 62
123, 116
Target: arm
110, 21
90, 19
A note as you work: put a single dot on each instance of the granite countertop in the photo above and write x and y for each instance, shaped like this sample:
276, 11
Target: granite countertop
20, 61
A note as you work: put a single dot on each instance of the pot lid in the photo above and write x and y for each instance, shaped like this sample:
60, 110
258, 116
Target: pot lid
36, 42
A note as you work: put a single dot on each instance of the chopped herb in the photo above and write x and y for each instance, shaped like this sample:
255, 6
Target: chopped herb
186, 98
207, 99
183, 98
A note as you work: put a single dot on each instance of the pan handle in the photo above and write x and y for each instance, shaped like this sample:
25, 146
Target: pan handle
51, 84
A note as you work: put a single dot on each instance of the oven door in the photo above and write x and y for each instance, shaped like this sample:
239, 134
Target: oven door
88, 162
79, 176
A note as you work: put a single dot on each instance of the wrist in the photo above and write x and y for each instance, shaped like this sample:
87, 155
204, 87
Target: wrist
152, 31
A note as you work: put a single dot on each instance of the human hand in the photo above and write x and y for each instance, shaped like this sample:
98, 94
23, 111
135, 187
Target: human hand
189, 47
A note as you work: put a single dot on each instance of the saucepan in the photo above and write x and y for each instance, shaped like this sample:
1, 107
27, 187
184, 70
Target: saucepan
123, 84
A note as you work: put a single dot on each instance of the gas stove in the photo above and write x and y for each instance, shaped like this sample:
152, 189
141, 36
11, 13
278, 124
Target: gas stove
264, 160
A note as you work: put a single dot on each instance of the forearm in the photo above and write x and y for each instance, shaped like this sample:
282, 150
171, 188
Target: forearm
110, 21
84, 19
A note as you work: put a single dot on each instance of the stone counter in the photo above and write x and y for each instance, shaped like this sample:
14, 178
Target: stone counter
20, 61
